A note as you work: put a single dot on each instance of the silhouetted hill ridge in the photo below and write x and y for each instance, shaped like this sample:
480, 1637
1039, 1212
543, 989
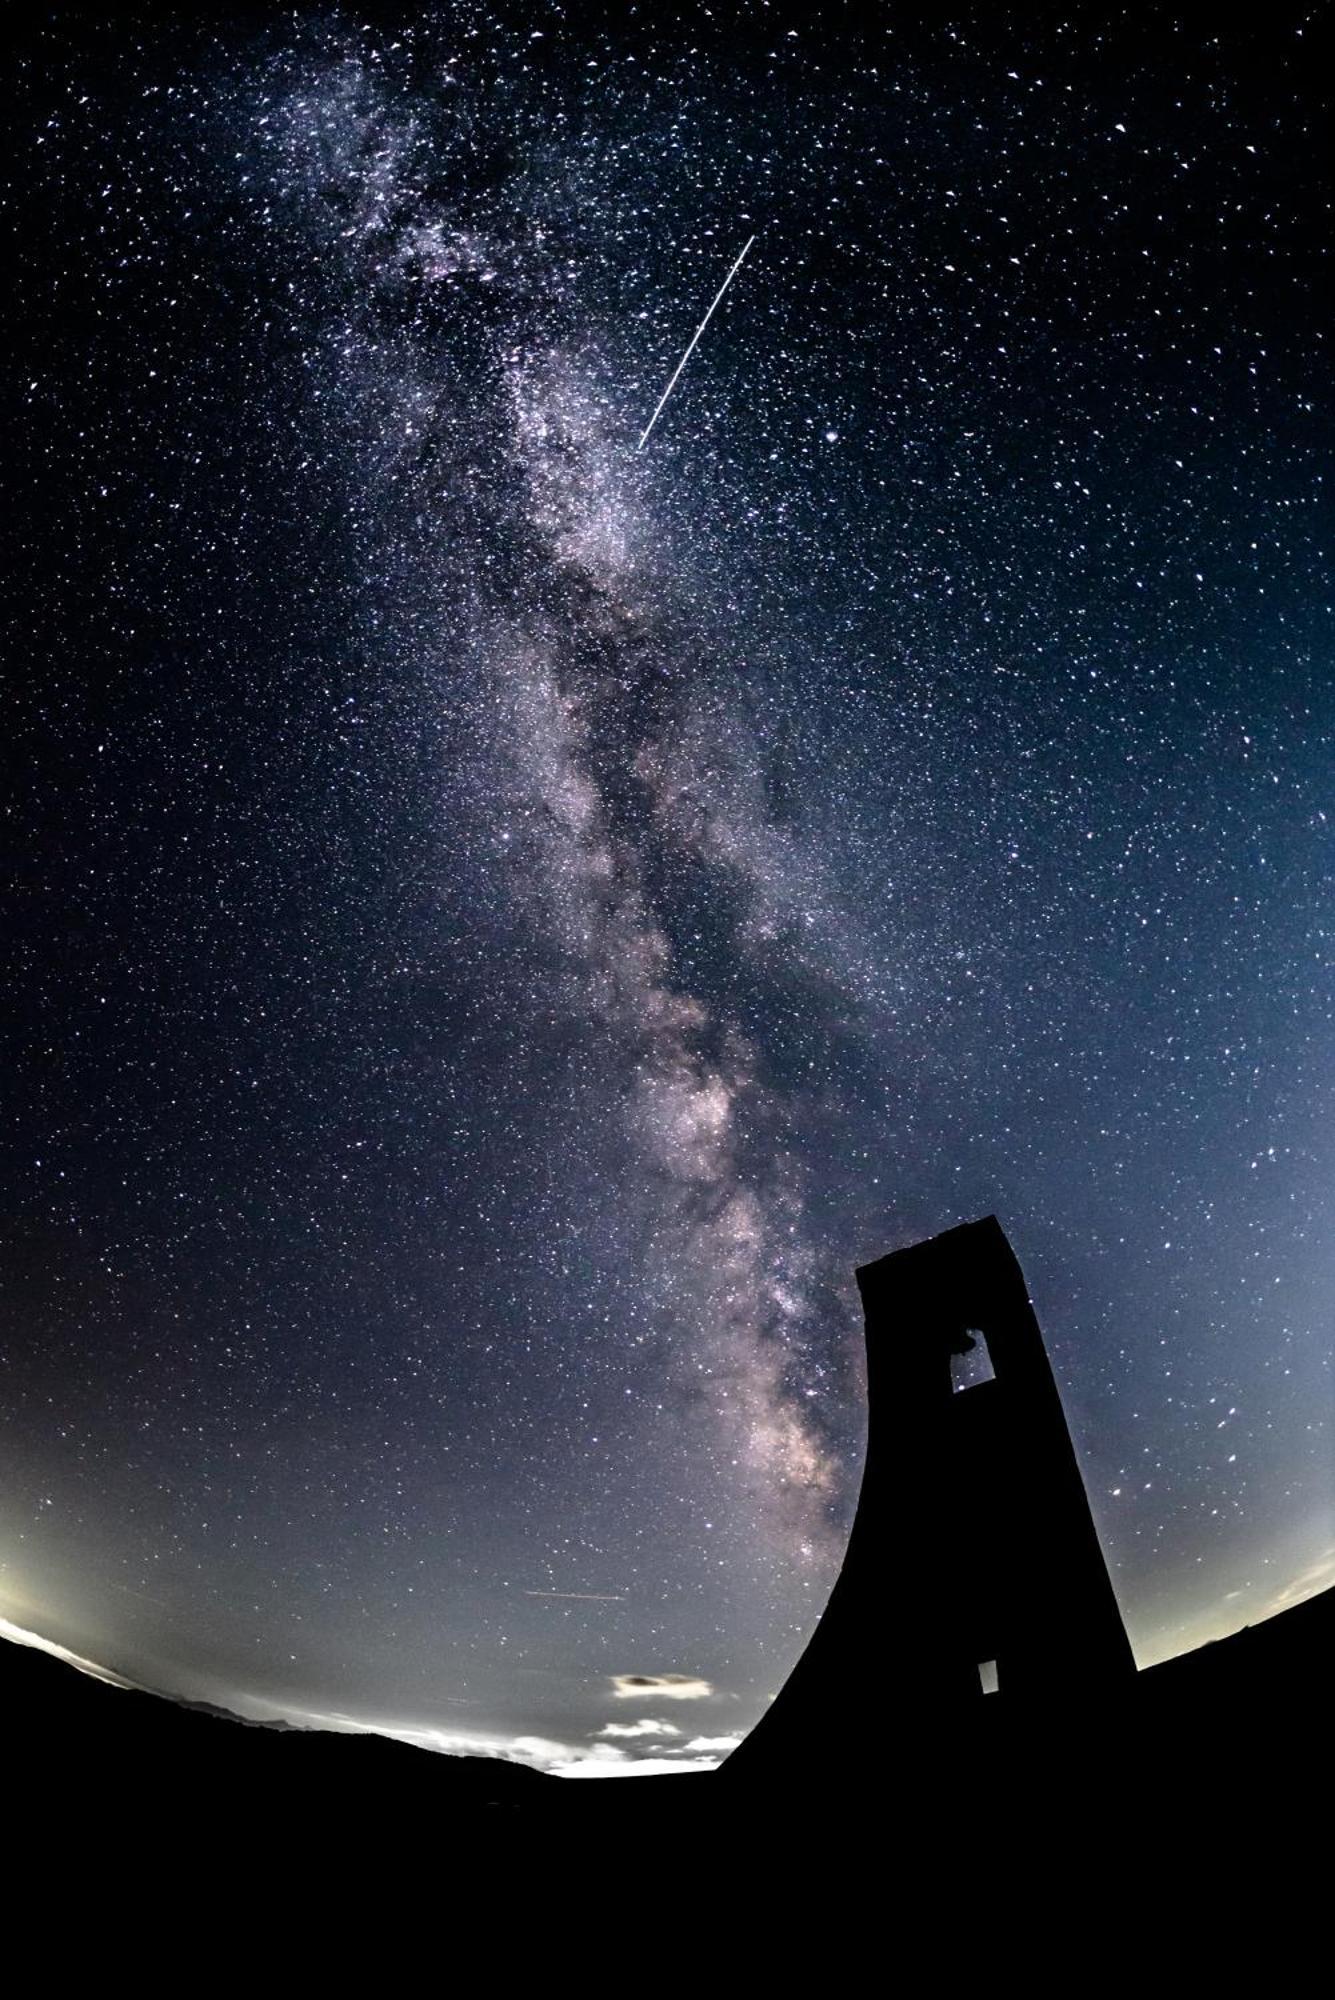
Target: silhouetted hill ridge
67, 1732
63, 1724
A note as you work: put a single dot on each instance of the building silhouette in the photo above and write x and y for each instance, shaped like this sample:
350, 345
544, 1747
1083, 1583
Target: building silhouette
973, 1541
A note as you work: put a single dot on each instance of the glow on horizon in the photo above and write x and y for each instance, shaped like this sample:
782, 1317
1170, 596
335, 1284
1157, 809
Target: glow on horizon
21, 1636
1238, 1610
559, 1760
600, 1759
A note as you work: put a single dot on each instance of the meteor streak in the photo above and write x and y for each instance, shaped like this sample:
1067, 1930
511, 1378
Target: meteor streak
580, 1596
691, 349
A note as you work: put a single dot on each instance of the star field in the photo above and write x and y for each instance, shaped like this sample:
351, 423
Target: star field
503, 922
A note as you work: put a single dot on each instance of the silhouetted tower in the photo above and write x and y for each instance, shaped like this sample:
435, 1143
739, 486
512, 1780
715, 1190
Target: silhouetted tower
973, 1540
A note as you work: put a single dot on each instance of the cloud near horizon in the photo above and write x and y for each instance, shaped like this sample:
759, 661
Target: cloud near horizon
667, 1687
633, 1767
646, 1726
1319, 1575
21, 1636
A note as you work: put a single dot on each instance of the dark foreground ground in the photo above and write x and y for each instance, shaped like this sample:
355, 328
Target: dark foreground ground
1216, 1769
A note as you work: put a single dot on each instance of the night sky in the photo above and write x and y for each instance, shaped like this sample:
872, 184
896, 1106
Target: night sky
500, 922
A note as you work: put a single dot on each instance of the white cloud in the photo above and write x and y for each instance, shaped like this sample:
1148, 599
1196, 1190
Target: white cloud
543, 1753
707, 1745
561, 1757
646, 1726
1310, 1582
634, 1767
22, 1637
660, 1687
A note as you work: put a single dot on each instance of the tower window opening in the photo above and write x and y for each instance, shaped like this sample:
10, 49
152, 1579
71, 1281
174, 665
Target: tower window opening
968, 1370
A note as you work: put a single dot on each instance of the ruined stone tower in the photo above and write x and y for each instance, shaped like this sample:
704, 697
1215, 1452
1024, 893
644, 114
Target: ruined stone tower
973, 1540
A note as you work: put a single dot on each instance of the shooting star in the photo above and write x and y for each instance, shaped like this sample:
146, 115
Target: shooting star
580, 1596
695, 337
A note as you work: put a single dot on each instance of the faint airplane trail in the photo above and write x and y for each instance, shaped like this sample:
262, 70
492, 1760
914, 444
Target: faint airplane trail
644, 436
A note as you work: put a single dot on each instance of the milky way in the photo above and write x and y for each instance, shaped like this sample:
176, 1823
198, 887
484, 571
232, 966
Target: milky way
587, 690
508, 919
